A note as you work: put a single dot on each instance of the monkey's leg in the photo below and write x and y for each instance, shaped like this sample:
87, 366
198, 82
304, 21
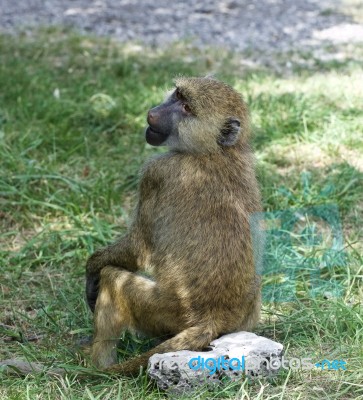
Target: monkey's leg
120, 254
193, 338
127, 300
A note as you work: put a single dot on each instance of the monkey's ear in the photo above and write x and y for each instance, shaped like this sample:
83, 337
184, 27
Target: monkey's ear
229, 132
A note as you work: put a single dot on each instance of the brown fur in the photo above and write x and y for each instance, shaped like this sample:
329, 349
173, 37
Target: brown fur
191, 232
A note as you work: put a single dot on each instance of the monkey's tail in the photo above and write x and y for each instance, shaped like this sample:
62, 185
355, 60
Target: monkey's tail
194, 338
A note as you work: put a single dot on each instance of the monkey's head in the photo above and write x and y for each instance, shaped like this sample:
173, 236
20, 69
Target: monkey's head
201, 115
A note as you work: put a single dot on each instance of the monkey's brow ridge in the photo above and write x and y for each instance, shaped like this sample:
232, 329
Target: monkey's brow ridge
182, 93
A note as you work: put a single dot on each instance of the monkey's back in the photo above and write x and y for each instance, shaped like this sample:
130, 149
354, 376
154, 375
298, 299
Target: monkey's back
204, 240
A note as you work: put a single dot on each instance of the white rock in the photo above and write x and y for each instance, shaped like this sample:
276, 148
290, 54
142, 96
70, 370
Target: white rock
231, 357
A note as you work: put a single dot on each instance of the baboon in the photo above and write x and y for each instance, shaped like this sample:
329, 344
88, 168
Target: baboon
190, 232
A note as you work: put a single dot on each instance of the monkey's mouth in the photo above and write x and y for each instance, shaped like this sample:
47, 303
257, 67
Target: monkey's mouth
154, 137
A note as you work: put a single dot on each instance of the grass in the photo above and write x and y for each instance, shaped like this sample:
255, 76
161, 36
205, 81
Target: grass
72, 112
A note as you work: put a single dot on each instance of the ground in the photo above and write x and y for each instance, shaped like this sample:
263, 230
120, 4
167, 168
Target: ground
72, 114
323, 29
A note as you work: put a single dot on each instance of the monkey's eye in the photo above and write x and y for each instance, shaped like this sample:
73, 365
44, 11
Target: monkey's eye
186, 108
178, 94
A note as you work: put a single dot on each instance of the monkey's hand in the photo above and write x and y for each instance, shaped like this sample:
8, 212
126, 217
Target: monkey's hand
92, 287
119, 254
93, 268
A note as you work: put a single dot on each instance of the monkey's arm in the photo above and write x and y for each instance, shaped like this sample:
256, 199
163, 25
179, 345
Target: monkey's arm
122, 254
119, 254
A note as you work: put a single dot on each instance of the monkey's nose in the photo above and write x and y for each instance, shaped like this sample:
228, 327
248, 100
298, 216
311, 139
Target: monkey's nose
151, 117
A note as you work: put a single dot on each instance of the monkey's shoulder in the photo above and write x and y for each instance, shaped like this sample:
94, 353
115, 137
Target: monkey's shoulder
162, 166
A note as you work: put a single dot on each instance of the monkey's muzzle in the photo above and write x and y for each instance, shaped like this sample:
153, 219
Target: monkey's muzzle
155, 138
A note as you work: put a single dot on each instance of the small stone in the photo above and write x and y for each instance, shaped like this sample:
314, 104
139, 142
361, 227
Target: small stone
232, 356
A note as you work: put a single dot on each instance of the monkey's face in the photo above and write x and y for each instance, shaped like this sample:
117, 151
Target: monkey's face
201, 115
164, 120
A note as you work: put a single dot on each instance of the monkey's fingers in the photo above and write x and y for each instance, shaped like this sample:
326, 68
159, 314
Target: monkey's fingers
92, 288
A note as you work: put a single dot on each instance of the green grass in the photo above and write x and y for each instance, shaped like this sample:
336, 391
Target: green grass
68, 177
